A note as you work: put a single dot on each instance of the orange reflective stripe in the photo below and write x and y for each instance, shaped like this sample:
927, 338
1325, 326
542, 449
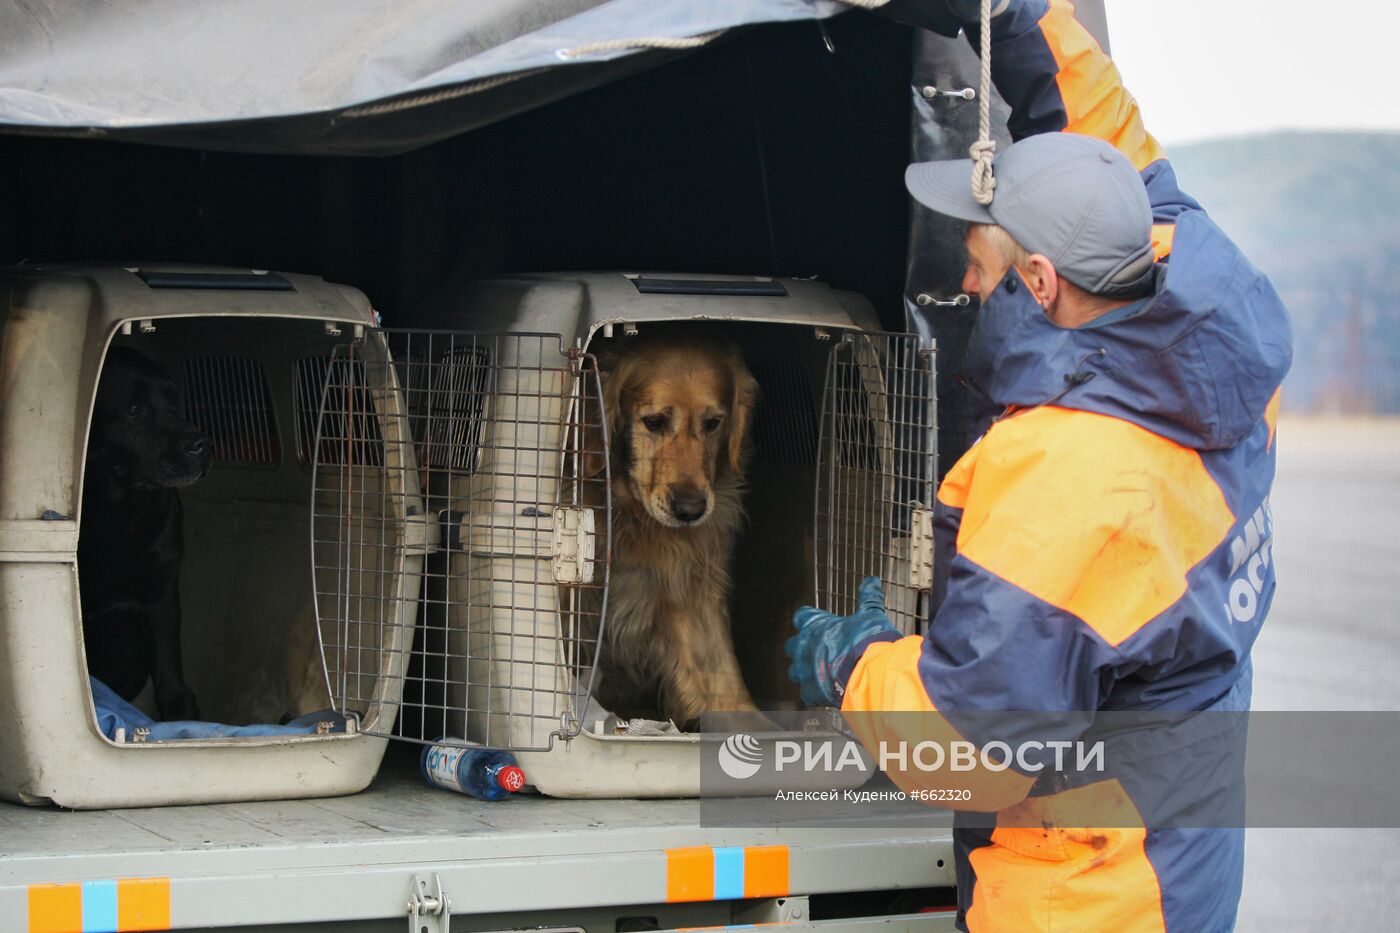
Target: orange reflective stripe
1271, 414
143, 904
1162, 237
1091, 514
1095, 100
766, 871
55, 908
707, 873
883, 690
1045, 870
690, 874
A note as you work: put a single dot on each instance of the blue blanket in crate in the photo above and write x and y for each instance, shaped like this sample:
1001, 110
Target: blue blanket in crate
114, 713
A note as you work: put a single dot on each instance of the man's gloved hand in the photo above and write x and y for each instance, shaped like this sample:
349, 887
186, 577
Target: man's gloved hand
945, 17
826, 646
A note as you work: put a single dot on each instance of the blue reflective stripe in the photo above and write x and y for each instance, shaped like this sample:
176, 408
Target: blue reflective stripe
99, 907
729, 873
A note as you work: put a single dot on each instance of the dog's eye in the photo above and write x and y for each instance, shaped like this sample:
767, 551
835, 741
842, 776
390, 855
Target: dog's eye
655, 423
712, 424
135, 410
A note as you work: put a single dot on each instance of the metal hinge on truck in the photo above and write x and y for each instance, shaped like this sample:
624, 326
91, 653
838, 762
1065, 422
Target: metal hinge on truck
429, 910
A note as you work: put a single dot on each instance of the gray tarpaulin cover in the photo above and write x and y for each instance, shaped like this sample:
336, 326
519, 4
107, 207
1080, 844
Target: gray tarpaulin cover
352, 76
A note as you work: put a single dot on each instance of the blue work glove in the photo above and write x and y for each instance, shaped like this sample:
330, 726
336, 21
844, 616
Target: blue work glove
826, 647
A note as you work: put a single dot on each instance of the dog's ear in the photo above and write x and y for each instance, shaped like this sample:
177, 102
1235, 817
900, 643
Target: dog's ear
741, 407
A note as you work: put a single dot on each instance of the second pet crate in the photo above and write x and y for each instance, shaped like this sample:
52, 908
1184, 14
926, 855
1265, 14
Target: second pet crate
502, 405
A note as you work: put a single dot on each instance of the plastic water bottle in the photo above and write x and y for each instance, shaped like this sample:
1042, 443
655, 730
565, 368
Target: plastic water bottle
480, 772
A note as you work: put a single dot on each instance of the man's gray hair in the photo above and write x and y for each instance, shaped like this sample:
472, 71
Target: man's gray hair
1005, 244
1018, 256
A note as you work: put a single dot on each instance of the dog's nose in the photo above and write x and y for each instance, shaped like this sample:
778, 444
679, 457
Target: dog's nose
197, 445
689, 505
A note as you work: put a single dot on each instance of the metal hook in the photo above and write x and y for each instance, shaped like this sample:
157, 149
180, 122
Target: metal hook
929, 92
924, 299
826, 37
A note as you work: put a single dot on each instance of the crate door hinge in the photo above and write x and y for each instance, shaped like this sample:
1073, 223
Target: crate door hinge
429, 910
573, 545
921, 549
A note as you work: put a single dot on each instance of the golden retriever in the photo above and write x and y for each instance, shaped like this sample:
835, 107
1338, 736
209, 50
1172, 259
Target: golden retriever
678, 410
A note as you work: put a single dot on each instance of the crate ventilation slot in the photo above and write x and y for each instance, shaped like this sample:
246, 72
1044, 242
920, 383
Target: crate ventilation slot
229, 398
350, 430
223, 281
710, 287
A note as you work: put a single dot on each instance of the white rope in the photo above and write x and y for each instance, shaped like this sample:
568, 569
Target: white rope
436, 97
985, 149
641, 42
666, 42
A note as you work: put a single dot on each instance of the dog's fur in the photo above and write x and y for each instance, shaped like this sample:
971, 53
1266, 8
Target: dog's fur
140, 450
678, 412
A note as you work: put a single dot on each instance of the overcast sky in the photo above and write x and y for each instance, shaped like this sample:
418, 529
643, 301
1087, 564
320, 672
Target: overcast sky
1209, 68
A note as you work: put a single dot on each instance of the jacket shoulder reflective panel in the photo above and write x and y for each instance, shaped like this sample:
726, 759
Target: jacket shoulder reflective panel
1089, 514
1070, 543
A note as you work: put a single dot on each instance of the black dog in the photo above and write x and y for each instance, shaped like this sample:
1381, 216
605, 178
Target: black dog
140, 450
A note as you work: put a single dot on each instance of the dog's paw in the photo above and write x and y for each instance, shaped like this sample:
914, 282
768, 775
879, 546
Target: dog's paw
178, 706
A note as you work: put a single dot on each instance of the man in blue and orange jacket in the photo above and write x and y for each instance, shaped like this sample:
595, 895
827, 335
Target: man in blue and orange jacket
1106, 545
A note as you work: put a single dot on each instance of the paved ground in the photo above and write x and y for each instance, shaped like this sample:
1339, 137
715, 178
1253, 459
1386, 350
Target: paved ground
1332, 642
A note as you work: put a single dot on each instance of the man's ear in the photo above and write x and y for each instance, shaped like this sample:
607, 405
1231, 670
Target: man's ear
741, 406
1043, 280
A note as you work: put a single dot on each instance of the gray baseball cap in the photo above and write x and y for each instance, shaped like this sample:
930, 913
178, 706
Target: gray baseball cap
1072, 198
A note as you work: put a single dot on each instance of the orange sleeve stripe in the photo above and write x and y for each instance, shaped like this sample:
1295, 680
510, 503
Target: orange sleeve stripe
1162, 237
952, 491
884, 690
886, 678
1102, 879
1096, 103
1091, 514
1271, 414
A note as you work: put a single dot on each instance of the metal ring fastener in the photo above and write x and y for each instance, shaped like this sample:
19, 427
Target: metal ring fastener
924, 300
930, 92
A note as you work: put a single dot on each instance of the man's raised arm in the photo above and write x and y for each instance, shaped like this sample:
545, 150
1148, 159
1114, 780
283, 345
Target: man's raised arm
1056, 78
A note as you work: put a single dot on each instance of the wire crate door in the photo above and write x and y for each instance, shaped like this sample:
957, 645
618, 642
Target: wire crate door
876, 475
366, 527
510, 454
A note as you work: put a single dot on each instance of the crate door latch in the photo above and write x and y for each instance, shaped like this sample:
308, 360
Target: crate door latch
921, 550
573, 545
428, 907
421, 533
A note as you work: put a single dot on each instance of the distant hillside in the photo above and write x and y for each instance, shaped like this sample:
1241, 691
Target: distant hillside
1320, 213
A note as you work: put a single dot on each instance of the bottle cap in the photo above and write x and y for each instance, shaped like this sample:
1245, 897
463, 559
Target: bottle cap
511, 778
